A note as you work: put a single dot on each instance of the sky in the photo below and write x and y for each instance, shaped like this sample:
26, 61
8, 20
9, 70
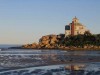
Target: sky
26, 21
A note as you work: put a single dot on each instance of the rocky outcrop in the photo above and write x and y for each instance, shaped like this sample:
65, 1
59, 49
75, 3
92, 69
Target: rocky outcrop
33, 45
48, 41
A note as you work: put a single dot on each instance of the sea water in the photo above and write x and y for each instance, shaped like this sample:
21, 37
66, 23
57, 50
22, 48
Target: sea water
40, 62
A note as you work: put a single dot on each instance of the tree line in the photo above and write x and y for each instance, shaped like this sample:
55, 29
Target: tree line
87, 39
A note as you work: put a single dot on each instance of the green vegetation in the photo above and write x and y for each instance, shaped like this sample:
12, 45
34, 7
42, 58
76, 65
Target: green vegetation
86, 40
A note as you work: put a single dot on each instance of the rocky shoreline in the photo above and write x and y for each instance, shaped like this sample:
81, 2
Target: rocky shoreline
60, 42
68, 49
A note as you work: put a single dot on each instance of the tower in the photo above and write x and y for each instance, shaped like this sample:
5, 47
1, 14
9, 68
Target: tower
72, 28
75, 20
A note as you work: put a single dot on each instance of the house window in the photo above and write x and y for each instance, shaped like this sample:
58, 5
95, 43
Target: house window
67, 27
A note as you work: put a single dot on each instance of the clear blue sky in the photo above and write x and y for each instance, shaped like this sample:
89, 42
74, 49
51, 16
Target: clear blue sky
25, 21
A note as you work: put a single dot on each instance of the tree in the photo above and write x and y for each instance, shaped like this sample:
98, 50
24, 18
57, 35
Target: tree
87, 33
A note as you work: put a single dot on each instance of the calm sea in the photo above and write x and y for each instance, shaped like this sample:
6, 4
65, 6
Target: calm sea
7, 46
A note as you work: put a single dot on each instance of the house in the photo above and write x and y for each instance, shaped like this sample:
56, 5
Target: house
75, 28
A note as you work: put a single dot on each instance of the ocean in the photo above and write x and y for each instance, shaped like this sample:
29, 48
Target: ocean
8, 45
48, 62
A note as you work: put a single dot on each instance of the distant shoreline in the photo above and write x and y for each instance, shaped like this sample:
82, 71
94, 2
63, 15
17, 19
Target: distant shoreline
68, 49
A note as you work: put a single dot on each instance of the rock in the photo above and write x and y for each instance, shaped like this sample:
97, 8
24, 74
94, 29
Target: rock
33, 45
48, 41
85, 47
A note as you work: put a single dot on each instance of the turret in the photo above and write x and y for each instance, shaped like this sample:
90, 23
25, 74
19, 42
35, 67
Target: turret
75, 20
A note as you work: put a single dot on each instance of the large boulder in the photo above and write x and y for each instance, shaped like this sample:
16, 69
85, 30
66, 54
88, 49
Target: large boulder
48, 41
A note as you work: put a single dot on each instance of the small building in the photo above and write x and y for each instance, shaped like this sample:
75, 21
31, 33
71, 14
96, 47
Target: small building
75, 28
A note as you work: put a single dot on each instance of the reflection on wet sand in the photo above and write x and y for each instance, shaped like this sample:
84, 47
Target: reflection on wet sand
64, 69
24, 62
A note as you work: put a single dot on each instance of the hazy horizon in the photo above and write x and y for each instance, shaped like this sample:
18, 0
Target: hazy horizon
25, 21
